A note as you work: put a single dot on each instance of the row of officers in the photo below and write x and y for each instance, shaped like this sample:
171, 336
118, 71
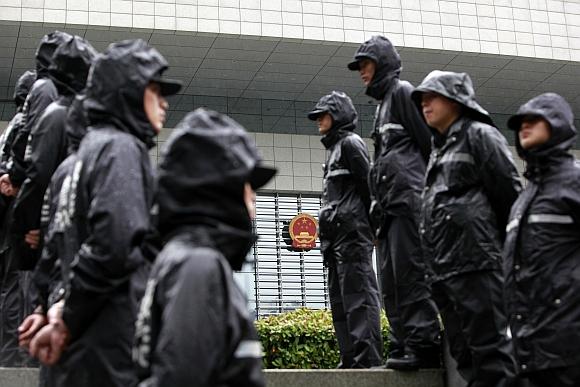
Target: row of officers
111, 277
456, 235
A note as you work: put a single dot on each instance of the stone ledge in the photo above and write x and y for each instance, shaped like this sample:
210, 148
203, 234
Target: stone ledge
349, 378
28, 377
18, 377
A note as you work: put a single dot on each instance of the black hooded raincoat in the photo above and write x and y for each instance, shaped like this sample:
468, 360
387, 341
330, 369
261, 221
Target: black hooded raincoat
542, 248
12, 304
470, 185
48, 141
42, 94
402, 146
194, 327
109, 202
346, 236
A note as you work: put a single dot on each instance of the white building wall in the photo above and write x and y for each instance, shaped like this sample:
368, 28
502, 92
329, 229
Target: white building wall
299, 159
530, 28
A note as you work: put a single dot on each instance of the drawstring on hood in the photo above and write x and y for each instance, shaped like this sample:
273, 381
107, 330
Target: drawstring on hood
48, 44
343, 113
388, 64
116, 87
23, 86
70, 65
206, 162
557, 112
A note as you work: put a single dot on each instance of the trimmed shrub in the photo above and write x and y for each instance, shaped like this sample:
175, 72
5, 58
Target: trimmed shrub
303, 338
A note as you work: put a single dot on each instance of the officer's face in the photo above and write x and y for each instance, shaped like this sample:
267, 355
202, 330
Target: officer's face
324, 122
155, 106
534, 131
250, 200
439, 112
367, 68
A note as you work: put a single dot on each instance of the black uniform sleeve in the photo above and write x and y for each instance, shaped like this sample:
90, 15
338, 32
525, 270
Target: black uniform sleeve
498, 172
410, 117
37, 101
193, 325
117, 222
45, 266
47, 150
8, 139
357, 159
571, 196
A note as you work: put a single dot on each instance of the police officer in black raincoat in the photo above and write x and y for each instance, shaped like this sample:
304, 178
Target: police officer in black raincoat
194, 327
470, 185
15, 254
47, 146
346, 236
109, 201
402, 145
10, 278
52, 269
42, 94
542, 248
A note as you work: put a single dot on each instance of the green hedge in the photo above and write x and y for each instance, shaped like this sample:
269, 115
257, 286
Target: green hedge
303, 338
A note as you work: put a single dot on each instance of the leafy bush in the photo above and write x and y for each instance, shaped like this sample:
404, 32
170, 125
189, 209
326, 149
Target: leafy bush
303, 338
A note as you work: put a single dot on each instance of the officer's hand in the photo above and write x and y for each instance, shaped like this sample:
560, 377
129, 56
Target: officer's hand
52, 339
6, 187
32, 238
29, 327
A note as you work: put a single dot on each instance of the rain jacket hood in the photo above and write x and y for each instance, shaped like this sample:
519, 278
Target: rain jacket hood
341, 109
206, 163
343, 113
554, 109
116, 87
457, 87
45, 50
23, 86
70, 65
383, 53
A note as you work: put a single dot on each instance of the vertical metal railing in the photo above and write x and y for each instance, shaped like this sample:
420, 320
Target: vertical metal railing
325, 274
279, 242
301, 262
285, 280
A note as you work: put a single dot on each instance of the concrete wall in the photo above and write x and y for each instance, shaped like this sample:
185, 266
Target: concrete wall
481, 26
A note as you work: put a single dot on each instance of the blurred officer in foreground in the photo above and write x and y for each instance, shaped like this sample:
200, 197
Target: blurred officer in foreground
109, 204
194, 328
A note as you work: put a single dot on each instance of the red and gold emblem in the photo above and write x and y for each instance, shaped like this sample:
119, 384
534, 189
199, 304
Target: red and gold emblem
303, 231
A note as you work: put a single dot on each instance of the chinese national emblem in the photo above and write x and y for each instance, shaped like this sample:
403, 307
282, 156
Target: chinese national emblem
303, 231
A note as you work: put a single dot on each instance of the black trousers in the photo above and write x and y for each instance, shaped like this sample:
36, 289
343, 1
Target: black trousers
552, 377
15, 305
412, 314
355, 304
472, 310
